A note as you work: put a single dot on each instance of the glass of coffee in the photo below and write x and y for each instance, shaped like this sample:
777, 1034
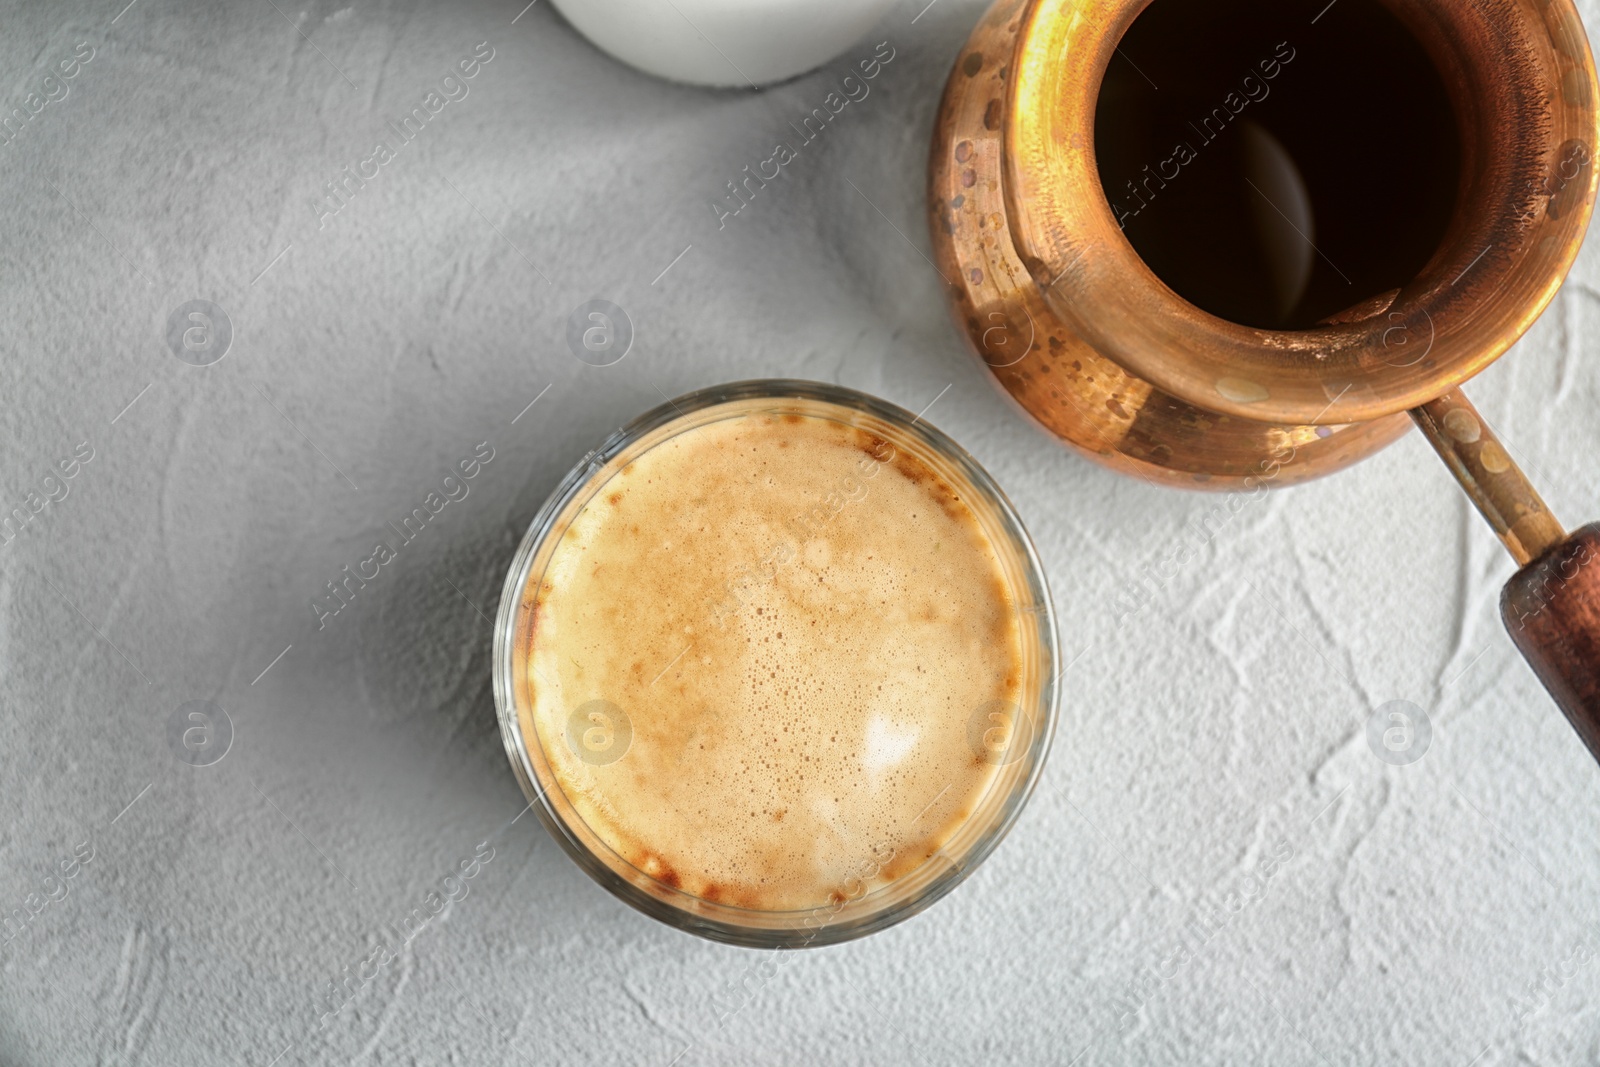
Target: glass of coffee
776, 664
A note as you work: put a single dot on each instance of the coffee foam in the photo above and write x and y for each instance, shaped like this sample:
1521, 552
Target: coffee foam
755, 658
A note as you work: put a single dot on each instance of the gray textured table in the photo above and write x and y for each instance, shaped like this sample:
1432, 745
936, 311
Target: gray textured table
1216, 868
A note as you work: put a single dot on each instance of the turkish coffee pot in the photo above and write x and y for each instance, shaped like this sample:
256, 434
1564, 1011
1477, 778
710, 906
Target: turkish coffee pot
1245, 243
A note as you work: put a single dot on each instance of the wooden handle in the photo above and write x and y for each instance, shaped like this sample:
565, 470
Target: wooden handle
1552, 605
1552, 609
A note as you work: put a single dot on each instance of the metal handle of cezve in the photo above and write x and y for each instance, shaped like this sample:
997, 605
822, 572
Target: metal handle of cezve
1551, 607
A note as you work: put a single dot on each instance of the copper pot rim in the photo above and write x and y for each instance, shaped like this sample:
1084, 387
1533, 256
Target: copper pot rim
1494, 273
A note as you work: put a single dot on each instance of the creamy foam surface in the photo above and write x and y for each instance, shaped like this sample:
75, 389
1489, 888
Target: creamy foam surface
757, 656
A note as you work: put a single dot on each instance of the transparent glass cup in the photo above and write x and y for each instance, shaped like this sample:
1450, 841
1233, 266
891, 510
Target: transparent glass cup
1015, 738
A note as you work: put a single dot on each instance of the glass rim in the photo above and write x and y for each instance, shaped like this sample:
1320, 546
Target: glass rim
756, 927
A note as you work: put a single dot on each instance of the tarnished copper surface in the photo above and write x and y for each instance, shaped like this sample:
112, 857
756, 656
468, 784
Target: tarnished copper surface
1097, 349
1490, 477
